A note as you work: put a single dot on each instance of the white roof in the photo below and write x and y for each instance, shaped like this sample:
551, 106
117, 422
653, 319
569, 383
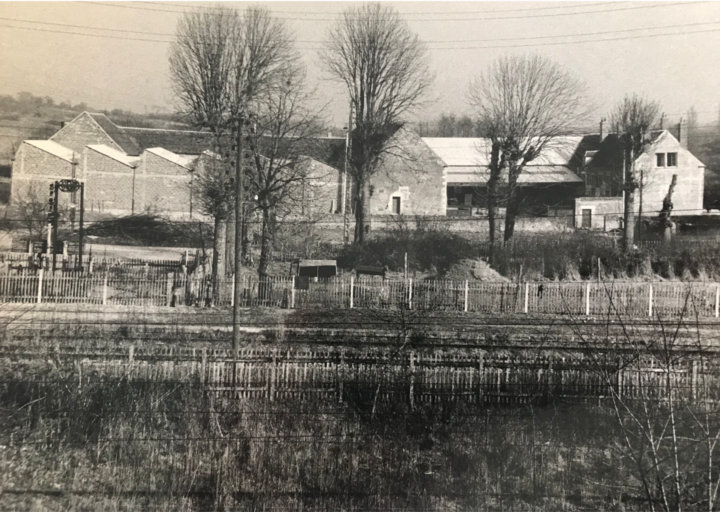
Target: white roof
474, 151
54, 149
121, 157
181, 160
531, 174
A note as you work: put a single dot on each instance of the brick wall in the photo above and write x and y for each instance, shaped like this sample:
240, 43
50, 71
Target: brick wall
162, 186
83, 131
412, 173
34, 170
109, 184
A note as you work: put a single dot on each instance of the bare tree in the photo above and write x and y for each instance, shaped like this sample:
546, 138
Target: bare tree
524, 103
213, 193
385, 69
632, 119
283, 132
221, 60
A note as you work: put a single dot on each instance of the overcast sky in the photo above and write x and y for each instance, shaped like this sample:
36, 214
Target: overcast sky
607, 44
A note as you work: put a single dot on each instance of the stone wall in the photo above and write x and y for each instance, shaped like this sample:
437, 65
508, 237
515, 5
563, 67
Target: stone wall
162, 186
34, 170
414, 174
605, 212
109, 184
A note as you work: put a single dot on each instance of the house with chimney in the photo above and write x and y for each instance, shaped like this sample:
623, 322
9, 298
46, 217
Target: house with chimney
666, 154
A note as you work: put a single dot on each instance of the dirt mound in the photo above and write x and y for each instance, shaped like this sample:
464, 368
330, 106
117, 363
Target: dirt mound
474, 270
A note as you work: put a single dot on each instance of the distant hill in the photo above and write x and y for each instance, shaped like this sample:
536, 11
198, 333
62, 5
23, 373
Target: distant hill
26, 116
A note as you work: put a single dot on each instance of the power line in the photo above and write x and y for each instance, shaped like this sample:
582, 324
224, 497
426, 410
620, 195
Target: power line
429, 13
451, 41
475, 47
403, 15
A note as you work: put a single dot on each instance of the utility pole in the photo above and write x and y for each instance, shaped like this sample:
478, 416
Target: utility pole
239, 196
348, 154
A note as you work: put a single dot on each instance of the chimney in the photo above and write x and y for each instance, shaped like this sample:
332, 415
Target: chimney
62, 124
602, 129
662, 121
683, 133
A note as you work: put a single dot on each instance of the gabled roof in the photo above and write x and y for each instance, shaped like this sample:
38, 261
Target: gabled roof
54, 149
181, 160
115, 154
610, 152
182, 142
117, 134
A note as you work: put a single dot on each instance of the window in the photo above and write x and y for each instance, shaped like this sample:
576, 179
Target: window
660, 159
672, 159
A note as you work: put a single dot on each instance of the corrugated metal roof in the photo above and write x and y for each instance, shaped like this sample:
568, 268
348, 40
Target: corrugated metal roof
181, 160
530, 175
115, 154
54, 149
462, 151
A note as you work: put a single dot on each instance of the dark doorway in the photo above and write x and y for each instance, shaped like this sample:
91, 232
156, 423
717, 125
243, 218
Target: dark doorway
586, 218
396, 205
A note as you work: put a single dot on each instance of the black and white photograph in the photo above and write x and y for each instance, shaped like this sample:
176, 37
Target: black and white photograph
340, 256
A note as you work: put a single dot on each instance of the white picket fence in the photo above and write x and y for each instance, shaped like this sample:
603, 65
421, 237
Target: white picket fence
578, 298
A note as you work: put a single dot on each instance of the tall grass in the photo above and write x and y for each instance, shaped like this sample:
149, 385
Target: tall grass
148, 445
590, 256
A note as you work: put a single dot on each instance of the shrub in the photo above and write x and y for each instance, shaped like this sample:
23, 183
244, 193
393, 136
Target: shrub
428, 250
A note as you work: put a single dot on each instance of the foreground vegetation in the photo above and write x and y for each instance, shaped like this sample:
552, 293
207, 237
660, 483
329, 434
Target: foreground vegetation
85, 443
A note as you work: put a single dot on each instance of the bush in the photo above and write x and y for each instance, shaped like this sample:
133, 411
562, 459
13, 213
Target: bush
151, 230
428, 250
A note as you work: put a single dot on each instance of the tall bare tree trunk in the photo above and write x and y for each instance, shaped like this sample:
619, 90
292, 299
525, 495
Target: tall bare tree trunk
629, 214
492, 199
218, 263
360, 210
266, 241
511, 212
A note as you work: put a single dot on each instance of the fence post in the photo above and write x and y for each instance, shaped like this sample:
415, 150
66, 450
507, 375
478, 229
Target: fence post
168, 288
412, 379
131, 353
203, 366
105, 280
527, 294
693, 382
352, 286
587, 299
410, 297
466, 295
292, 293
232, 292
717, 301
650, 301
39, 289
